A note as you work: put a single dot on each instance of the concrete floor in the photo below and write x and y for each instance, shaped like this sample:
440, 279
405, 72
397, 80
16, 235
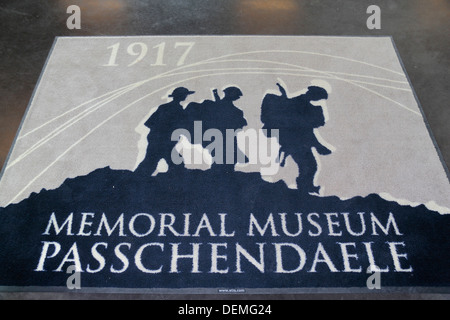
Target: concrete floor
419, 29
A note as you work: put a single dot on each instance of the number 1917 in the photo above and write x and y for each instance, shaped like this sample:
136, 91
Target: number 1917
140, 50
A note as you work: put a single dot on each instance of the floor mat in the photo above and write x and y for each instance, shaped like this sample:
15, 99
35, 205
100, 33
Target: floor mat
224, 164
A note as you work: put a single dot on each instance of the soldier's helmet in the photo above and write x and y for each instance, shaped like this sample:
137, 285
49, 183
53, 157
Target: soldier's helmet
232, 93
317, 93
180, 92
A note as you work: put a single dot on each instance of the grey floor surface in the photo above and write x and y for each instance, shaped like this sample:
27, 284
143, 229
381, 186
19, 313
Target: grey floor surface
419, 28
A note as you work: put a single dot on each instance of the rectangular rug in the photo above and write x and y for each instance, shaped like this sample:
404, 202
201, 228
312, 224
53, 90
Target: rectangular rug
224, 164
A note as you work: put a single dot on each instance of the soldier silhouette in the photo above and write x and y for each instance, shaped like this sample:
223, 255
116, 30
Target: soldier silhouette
167, 118
228, 116
296, 118
220, 114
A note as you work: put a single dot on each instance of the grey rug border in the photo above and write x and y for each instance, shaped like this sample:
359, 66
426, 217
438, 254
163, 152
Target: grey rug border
229, 291
224, 290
